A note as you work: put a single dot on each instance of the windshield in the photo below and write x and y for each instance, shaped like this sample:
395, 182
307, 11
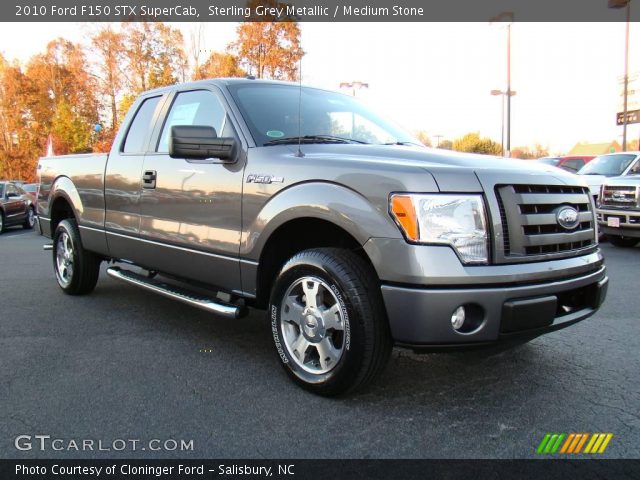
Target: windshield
549, 161
608, 165
31, 187
271, 112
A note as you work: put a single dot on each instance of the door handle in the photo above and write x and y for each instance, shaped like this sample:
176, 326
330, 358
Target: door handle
149, 179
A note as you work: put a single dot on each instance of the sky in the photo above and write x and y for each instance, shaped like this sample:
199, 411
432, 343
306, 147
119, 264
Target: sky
437, 77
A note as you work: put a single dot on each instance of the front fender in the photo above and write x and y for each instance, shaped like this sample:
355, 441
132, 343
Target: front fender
331, 202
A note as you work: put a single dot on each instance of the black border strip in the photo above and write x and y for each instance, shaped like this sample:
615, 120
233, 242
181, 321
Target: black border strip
314, 11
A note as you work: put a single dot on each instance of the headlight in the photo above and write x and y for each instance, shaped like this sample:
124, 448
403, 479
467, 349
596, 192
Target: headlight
456, 220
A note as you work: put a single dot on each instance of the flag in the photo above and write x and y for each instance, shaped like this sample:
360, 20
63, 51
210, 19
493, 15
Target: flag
49, 146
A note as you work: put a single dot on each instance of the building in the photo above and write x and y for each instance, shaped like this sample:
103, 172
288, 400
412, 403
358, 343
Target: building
594, 148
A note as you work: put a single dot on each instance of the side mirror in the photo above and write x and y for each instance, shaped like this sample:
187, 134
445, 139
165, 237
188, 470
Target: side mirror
199, 143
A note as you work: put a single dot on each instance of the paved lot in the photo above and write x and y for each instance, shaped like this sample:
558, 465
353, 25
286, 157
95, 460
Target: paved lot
127, 364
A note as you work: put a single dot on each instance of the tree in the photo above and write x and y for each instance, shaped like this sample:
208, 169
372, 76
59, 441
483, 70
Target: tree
17, 147
109, 46
269, 49
471, 142
155, 55
219, 65
61, 89
423, 137
446, 144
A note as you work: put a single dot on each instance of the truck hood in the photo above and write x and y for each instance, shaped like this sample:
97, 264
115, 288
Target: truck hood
630, 180
594, 182
453, 171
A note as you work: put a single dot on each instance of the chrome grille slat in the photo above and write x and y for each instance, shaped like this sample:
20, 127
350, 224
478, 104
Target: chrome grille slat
557, 238
549, 199
528, 214
550, 218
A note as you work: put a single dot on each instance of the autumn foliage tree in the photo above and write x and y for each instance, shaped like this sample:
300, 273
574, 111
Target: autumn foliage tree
473, 143
69, 89
269, 49
219, 65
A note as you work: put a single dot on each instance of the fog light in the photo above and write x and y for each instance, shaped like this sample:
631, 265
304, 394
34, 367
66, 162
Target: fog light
457, 319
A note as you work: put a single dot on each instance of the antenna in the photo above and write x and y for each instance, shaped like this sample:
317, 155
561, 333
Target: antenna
299, 152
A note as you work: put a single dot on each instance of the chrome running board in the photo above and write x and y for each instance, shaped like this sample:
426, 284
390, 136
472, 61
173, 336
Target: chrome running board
183, 295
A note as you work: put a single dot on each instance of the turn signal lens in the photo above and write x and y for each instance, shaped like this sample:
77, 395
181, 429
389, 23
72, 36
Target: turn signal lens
405, 214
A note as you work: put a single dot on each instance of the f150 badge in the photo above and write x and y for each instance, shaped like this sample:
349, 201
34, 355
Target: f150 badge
256, 178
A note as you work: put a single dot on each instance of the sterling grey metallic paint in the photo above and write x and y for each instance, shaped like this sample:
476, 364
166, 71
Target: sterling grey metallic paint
206, 222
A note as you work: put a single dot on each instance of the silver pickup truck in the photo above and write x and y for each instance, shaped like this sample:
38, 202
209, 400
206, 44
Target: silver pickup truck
618, 210
237, 193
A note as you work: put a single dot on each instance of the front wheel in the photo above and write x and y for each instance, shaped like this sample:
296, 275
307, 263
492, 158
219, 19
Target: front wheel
76, 269
328, 321
624, 242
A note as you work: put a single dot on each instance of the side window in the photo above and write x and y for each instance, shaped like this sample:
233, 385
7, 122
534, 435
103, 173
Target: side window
11, 189
200, 107
575, 164
140, 126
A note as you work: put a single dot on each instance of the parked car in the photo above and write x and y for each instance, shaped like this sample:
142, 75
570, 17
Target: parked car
571, 163
602, 167
32, 190
16, 206
619, 209
349, 233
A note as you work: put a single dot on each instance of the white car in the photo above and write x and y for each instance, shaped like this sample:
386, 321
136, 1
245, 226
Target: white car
610, 165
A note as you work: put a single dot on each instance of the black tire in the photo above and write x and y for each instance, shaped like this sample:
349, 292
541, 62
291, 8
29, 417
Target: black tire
623, 242
30, 221
352, 286
1, 221
85, 266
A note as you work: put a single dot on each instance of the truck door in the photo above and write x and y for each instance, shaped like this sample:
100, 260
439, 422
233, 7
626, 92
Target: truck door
190, 210
122, 179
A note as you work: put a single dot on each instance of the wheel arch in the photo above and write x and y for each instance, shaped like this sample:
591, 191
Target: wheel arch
294, 236
64, 202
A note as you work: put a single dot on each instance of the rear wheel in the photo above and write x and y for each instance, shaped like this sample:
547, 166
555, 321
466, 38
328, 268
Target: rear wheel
76, 269
623, 242
328, 321
30, 221
1, 222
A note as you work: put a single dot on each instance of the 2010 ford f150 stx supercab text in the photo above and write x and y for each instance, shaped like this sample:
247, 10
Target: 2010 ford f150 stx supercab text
354, 237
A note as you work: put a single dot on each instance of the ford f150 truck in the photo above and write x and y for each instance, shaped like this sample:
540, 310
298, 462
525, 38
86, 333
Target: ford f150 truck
352, 236
619, 210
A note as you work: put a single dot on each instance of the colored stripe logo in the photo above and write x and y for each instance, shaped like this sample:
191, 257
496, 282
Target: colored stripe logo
574, 443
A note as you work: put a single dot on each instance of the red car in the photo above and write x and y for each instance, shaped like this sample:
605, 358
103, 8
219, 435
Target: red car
571, 163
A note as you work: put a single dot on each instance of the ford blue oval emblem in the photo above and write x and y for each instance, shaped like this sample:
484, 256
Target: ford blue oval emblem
567, 218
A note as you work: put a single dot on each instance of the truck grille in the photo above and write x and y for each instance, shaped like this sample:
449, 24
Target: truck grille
529, 218
619, 196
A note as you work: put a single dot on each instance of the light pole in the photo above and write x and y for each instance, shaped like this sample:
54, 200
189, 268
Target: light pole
508, 94
438, 137
507, 16
353, 86
624, 4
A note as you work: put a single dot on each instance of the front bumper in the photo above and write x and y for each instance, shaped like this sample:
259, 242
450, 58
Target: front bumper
422, 316
423, 285
629, 221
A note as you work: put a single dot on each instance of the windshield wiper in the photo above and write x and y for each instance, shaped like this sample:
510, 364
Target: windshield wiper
312, 139
406, 144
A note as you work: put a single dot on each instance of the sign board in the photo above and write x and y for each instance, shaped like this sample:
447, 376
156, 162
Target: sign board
633, 116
